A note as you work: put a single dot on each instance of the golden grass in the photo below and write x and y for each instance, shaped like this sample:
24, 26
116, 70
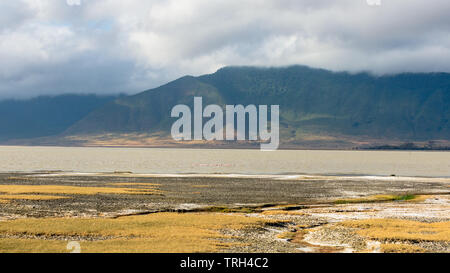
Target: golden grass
142, 245
4, 201
32, 246
54, 189
16, 178
230, 210
283, 212
401, 248
377, 198
201, 186
30, 197
421, 198
401, 230
161, 232
288, 235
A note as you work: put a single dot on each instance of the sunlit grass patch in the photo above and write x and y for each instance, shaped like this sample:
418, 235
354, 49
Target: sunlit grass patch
160, 232
2, 201
30, 197
377, 198
230, 210
288, 235
32, 246
401, 248
54, 189
141, 245
200, 186
420, 198
283, 212
401, 230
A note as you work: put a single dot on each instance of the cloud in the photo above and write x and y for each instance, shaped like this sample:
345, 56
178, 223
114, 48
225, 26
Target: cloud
111, 46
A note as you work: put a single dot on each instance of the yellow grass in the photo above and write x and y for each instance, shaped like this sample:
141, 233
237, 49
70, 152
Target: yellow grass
401, 248
30, 197
287, 235
200, 186
161, 232
32, 246
4, 201
377, 198
421, 198
282, 212
53, 189
401, 230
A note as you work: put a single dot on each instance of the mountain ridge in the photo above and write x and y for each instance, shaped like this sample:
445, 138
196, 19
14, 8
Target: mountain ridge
408, 106
318, 109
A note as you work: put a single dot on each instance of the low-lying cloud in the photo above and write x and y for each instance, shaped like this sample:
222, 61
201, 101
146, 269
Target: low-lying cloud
112, 46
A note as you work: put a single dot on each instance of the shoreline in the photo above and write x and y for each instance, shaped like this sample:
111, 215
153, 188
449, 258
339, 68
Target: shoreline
292, 176
227, 147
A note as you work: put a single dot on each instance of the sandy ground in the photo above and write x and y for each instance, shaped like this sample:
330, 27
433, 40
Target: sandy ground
326, 235
314, 220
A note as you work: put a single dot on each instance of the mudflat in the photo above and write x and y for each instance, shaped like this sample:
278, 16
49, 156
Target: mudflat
263, 213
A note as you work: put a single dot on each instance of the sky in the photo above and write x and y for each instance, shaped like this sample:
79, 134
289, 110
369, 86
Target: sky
50, 47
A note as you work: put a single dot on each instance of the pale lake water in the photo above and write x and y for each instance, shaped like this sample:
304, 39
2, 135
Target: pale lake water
208, 161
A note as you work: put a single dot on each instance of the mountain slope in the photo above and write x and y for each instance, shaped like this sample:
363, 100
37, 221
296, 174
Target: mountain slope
45, 115
312, 101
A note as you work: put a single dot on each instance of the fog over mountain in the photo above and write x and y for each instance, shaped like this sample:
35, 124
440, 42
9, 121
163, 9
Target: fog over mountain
51, 47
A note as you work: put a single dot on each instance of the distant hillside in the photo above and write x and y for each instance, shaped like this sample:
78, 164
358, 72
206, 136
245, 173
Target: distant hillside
45, 116
314, 103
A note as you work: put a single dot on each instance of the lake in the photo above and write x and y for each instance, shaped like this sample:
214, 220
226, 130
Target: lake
208, 161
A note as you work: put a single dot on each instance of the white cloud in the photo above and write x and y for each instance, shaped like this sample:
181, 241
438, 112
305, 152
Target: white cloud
104, 46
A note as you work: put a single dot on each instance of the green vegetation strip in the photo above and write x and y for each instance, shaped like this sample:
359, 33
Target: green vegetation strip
377, 198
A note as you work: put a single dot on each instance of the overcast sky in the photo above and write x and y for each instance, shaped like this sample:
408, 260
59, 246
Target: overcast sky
111, 46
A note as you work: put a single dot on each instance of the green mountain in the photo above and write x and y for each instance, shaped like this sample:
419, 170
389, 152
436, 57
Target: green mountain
313, 103
45, 115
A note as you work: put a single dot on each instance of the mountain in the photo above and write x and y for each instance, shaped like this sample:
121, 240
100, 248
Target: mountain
315, 104
45, 115
318, 109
